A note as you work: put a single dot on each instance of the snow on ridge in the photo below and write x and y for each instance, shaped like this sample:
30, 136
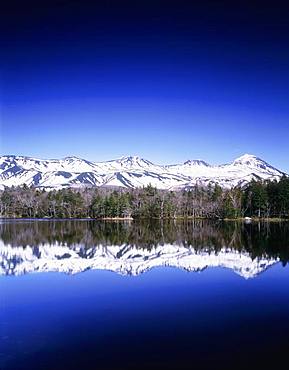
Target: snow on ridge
130, 171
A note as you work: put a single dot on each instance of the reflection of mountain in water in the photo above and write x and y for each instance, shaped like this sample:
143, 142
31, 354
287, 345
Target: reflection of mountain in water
131, 249
124, 259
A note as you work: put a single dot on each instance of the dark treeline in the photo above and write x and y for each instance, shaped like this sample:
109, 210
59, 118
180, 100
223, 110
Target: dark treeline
258, 239
258, 199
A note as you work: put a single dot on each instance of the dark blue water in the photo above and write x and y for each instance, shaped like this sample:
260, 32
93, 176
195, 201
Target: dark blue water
165, 318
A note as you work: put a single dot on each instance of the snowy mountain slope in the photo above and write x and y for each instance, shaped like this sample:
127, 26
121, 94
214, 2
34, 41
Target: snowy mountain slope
70, 164
130, 172
124, 259
238, 173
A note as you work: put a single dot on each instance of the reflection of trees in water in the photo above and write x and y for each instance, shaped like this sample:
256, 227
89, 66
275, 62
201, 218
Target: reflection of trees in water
260, 240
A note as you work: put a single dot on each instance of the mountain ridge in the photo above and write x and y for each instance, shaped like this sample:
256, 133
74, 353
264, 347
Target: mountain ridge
131, 172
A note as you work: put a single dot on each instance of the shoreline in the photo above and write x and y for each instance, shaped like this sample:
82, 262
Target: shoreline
239, 219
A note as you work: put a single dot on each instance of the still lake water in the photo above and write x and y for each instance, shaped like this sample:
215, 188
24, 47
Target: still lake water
108, 295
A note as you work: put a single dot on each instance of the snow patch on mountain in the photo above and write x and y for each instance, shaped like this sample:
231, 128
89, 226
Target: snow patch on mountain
130, 172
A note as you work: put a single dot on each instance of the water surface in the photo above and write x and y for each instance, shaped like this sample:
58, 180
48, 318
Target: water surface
96, 295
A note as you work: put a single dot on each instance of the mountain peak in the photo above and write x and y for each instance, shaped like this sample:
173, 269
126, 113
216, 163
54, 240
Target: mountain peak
71, 157
134, 160
246, 157
256, 163
196, 162
249, 160
131, 158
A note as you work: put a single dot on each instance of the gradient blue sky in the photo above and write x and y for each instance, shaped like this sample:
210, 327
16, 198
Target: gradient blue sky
166, 80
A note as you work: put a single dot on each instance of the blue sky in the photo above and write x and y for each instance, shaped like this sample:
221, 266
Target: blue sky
164, 80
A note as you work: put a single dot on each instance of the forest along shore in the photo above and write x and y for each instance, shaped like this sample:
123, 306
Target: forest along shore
260, 200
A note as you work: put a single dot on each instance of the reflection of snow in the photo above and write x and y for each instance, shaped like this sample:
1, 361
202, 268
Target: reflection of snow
123, 259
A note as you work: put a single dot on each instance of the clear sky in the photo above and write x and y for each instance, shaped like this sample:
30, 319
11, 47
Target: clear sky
166, 80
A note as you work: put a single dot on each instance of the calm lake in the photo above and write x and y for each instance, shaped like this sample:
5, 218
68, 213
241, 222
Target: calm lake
127, 295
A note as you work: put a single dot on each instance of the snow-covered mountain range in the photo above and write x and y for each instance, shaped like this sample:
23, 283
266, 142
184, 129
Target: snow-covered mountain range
124, 259
130, 172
